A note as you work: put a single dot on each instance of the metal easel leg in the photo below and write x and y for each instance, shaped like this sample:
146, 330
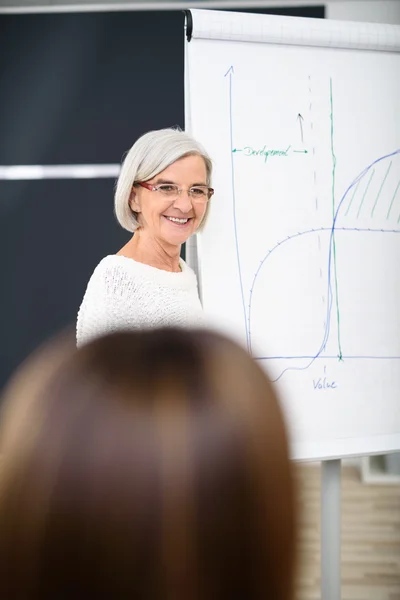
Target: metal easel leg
330, 529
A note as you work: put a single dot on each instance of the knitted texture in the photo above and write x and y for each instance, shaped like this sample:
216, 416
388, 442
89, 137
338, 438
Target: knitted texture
125, 294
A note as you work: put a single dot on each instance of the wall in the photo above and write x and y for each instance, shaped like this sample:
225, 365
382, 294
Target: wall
373, 11
379, 11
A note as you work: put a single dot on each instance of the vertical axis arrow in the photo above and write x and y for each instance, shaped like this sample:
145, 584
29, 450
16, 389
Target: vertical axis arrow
229, 73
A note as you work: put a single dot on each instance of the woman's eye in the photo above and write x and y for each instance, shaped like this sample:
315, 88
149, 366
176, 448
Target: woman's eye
167, 189
198, 191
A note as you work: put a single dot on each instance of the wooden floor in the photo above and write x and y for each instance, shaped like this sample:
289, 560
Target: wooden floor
370, 537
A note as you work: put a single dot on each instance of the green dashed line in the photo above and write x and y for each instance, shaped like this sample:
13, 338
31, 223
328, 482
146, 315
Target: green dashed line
380, 189
391, 204
352, 198
365, 193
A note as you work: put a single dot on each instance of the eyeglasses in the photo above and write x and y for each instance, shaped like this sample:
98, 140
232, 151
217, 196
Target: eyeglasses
197, 193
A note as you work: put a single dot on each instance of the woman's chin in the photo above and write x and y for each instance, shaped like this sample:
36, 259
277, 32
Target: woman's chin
176, 233
177, 240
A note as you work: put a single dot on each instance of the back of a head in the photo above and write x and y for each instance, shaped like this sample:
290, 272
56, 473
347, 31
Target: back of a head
148, 465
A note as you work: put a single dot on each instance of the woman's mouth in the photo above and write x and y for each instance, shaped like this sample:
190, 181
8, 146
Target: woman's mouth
178, 221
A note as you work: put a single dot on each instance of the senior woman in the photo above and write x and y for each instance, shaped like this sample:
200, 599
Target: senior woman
161, 196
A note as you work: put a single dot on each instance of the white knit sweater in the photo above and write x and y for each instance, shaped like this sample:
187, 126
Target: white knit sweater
125, 294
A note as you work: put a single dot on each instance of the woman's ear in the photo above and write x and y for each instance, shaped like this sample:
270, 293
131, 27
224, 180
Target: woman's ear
134, 202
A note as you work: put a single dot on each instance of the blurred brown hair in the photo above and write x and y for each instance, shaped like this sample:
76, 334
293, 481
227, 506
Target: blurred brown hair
145, 465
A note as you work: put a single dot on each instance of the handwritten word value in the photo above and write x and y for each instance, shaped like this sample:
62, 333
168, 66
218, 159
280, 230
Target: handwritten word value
322, 383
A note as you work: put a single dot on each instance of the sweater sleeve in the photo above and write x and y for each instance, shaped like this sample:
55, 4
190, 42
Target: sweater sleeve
108, 305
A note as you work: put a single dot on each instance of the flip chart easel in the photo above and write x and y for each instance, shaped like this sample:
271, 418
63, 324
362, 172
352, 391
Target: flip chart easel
298, 259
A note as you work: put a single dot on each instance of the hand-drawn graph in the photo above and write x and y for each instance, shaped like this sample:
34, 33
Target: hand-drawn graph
346, 322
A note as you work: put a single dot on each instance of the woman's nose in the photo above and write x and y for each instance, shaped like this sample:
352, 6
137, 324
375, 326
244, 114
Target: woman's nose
183, 201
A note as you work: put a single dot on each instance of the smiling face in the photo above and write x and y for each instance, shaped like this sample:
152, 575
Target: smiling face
155, 211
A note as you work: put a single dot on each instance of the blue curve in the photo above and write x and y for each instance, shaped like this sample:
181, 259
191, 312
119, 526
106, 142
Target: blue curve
326, 336
332, 229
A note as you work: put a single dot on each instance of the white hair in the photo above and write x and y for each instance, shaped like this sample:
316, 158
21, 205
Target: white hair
150, 154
